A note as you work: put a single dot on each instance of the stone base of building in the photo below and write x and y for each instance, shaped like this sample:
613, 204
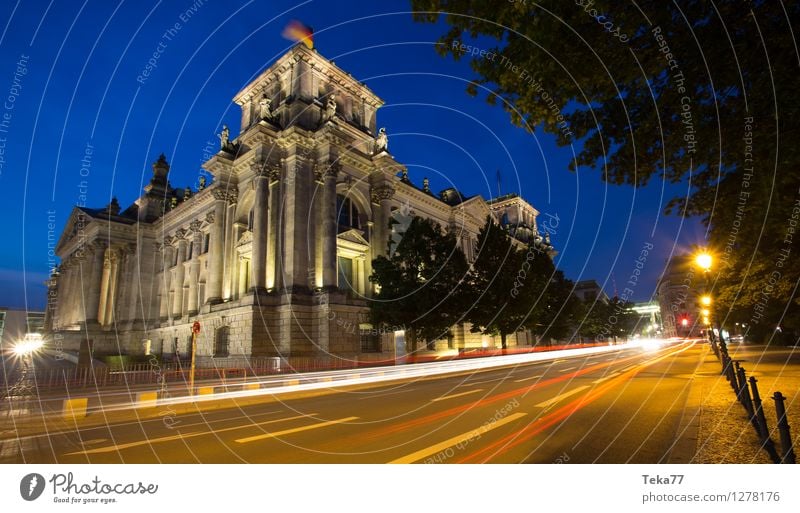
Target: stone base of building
259, 324
262, 324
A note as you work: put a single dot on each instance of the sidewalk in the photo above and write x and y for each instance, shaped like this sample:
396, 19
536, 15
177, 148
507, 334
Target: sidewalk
716, 426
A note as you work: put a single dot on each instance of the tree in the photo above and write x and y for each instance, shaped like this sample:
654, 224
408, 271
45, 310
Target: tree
698, 93
592, 319
421, 284
500, 287
561, 310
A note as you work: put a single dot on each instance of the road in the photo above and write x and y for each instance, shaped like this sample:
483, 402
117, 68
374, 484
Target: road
620, 407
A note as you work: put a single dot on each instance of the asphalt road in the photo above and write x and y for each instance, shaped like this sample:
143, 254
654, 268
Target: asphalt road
621, 407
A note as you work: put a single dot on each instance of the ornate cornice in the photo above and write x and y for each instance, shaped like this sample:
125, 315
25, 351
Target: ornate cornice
210, 217
196, 226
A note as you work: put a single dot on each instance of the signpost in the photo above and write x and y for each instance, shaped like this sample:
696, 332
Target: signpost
195, 332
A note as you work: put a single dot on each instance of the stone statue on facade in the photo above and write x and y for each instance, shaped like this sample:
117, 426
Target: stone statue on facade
265, 108
381, 141
224, 138
330, 108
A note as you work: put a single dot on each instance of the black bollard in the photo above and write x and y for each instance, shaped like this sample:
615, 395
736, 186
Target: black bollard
761, 423
744, 392
730, 373
783, 428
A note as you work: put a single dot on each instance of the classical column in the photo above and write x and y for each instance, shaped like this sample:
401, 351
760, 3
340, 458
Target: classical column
258, 277
95, 281
295, 198
273, 256
236, 233
381, 196
216, 251
194, 266
166, 274
180, 274
329, 226
113, 285
230, 241
73, 290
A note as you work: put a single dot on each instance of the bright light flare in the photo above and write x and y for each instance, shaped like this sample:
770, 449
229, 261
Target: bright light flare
704, 260
652, 344
705, 300
29, 345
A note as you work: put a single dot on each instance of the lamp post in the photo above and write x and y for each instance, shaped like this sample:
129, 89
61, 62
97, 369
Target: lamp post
704, 261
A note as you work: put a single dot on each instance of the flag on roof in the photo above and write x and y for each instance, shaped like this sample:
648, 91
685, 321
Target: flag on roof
297, 31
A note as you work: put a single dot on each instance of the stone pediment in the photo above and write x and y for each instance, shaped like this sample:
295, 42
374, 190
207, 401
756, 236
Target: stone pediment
353, 236
78, 222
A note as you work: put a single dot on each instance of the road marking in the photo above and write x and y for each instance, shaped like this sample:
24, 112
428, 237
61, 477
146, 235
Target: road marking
527, 379
554, 400
372, 396
445, 397
568, 369
469, 435
606, 377
181, 436
294, 430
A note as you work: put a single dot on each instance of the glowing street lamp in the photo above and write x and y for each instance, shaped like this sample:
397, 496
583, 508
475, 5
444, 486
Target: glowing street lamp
703, 260
705, 312
705, 300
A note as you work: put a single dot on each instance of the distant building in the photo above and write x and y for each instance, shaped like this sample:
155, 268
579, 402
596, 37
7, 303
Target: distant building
649, 322
16, 323
589, 290
678, 297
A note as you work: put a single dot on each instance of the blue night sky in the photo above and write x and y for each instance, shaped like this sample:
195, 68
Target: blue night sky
80, 91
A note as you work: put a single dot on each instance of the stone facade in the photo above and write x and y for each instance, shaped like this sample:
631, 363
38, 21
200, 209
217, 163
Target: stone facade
273, 256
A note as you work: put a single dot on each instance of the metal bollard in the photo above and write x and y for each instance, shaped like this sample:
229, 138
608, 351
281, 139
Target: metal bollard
760, 422
730, 374
783, 428
744, 392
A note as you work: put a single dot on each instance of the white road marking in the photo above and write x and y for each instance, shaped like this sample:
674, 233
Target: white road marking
463, 437
294, 430
568, 369
554, 400
445, 397
528, 379
182, 436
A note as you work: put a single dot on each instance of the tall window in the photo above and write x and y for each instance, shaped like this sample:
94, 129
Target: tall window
345, 273
347, 213
221, 341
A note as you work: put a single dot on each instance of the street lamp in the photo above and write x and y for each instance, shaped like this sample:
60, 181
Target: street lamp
705, 300
704, 260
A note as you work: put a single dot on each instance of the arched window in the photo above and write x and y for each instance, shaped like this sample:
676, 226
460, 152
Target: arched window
347, 213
